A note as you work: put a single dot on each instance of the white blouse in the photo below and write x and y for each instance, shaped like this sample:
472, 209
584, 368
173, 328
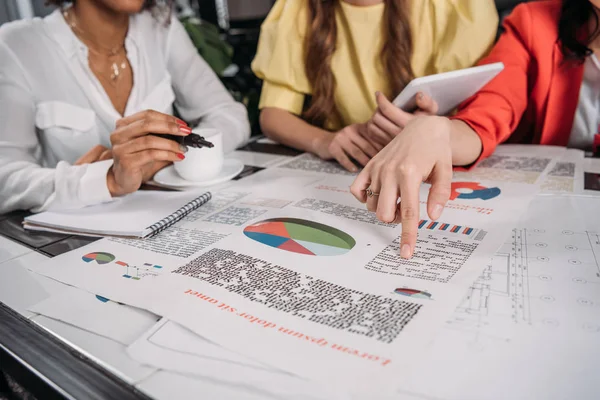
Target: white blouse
585, 124
53, 109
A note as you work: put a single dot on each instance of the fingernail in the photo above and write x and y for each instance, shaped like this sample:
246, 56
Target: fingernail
181, 122
437, 211
183, 148
181, 156
185, 130
420, 95
377, 93
405, 251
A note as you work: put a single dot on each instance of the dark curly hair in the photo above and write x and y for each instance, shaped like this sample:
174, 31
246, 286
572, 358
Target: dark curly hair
576, 15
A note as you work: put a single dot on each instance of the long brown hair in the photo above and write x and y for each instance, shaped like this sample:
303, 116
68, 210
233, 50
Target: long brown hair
320, 44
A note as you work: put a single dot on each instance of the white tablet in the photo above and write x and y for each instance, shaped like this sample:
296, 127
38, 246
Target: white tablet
448, 89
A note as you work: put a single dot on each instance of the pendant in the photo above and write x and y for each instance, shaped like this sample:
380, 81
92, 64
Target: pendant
115, 71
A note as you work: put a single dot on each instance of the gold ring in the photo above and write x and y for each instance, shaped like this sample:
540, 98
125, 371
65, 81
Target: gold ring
371, 193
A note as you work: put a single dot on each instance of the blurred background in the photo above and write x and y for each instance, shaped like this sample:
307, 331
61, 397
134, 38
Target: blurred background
225, 33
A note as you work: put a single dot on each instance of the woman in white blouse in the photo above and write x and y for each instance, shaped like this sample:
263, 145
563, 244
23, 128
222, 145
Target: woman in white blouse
80, 91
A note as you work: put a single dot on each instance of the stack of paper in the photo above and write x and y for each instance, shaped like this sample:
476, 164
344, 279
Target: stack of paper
283, 285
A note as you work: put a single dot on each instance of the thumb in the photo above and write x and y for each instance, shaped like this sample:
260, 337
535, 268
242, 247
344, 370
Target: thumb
91, 156
391, 112
427, 105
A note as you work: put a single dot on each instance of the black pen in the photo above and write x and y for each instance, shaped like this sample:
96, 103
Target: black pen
191, 140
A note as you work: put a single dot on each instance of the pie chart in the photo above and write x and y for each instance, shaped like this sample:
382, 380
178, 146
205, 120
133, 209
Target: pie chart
100, 258
301, 236
418, 294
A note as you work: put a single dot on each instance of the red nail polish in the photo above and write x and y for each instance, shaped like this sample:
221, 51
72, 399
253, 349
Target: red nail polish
181, 122
185, 130
181, 156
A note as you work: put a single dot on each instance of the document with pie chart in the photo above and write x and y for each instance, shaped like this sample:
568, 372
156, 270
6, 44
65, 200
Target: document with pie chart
302, 277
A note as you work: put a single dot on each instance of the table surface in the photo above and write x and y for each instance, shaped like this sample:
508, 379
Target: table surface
56, 360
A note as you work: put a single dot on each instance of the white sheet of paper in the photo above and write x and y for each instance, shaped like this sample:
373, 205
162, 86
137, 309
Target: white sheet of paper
366, 327
187, 346
169, 346
10, 250
21, 288
107, 353
529, 327
98, 315
515, 163
565, 175
167, 385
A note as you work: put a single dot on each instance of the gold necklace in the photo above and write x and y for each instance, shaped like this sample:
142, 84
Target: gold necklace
116, 66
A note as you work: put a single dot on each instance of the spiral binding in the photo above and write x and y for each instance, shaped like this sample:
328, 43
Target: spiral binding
178, 215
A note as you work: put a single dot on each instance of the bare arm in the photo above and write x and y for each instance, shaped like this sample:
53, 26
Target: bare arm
465, 144
286, 128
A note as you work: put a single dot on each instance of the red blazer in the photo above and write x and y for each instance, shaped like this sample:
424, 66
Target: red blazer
534, 99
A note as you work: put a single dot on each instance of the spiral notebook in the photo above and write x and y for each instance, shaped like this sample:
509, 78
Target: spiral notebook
141, 214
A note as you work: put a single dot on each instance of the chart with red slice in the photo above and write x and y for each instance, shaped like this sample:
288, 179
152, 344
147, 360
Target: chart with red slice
419, 294
99, 257
301, 236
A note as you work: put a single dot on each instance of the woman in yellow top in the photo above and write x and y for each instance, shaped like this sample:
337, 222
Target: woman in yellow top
340, 52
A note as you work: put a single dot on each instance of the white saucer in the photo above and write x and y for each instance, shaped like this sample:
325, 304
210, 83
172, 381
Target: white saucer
169, 177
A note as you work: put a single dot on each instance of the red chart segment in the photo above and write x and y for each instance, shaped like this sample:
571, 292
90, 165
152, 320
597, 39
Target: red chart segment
295, 247
419, 294
272, 228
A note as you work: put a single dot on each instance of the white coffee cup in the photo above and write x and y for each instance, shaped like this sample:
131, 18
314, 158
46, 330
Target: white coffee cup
201, 164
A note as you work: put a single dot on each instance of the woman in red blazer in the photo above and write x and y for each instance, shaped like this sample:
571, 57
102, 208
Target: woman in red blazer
546, 48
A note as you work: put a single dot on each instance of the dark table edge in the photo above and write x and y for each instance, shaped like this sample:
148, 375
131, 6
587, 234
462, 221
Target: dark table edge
50, 369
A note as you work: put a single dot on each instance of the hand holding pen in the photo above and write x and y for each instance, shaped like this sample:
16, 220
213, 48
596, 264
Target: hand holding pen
139, 151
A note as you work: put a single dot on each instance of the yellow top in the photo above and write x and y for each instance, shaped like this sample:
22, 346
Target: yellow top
447, 35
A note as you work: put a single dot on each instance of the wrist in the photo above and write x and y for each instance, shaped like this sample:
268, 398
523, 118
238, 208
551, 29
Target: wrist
111, 183
320, 144
466, 144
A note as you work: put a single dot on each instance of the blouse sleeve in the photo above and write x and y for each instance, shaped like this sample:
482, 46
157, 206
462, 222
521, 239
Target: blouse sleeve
460, 32
27, 184
496, 110
200, 94
279, 60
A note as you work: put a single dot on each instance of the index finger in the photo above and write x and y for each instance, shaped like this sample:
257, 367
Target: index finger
143, 127
360, 185
409, 215
149, 115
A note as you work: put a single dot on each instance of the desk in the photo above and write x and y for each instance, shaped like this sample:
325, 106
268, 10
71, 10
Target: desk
55, 360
